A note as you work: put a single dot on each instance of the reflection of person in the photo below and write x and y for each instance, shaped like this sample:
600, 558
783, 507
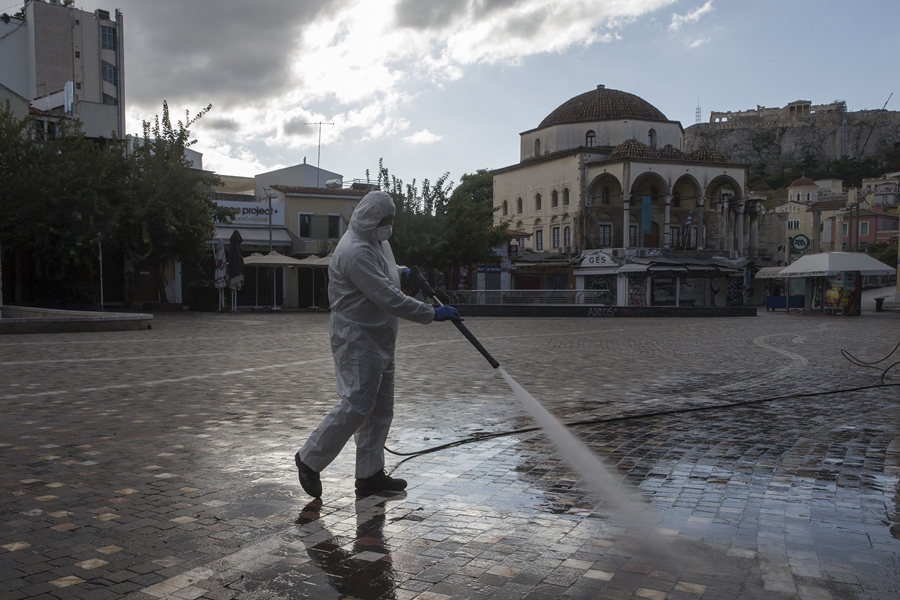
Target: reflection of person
366, 301
342, 567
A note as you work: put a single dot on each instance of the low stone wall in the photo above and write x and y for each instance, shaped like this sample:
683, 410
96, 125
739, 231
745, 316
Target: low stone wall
25, 319
575, 310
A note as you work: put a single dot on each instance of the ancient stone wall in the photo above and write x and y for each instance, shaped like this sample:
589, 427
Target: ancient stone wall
784, 142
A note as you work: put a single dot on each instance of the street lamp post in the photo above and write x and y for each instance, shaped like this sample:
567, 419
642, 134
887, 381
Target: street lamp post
100, 244
274, 282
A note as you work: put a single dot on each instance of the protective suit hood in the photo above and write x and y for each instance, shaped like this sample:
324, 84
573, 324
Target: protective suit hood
368, 214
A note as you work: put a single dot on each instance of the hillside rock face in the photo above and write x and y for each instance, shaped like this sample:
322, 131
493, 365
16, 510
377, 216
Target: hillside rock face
784, 141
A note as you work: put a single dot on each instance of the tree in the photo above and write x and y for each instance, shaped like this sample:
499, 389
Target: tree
168, 215
56, 190
418, 238
469, 229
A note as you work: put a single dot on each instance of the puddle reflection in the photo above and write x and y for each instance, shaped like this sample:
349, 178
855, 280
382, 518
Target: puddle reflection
361, 569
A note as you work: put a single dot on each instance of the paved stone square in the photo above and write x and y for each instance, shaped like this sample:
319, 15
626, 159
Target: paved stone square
159, 464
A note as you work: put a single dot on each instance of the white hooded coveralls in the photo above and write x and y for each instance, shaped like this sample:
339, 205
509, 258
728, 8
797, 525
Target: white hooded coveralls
366, 300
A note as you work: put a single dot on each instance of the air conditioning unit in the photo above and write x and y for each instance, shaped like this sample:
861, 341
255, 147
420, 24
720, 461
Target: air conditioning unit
334, 183
618, 253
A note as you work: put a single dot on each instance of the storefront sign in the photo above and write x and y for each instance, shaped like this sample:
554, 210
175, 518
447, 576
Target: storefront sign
255, 213
598, 260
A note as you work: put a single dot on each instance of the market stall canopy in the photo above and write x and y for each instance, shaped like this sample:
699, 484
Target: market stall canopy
272, 259
832, 263
769, 273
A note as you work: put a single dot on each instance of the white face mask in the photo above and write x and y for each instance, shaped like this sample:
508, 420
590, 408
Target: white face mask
383, 233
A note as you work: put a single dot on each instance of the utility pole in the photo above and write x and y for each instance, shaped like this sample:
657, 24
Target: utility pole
319, 154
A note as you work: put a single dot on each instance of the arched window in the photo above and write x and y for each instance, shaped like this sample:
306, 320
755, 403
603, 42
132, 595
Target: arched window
567, 236
537, 147
808, 196
652, 139
604, 195
519, 206
566, 197
590, 139
537, 202
505, 208
554, 199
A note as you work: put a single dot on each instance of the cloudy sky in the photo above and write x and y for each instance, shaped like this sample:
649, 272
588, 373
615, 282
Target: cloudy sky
434, 86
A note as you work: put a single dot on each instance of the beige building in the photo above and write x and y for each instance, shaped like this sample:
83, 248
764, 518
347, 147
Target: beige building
286, 211
67, 62
605, 170
602, 184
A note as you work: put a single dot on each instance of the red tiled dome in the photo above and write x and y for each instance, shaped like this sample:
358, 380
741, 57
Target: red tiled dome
603, 104
803, 182
632, 149
669, 152
707, 154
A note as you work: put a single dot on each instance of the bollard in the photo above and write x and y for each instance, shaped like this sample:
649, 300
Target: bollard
879, 304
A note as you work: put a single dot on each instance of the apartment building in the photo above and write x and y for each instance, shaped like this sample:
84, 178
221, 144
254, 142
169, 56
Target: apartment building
66, 62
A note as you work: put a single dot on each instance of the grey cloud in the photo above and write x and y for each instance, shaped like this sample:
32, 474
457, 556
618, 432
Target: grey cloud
435, 14
221, 124
226, 52
526, 26
296, 126
439, 14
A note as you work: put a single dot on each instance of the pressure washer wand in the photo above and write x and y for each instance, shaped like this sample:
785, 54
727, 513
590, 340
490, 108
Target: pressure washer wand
426, 288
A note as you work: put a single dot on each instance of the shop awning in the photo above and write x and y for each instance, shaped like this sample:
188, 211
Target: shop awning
256, 236
633, 268
832, 263
769, 273
598, 271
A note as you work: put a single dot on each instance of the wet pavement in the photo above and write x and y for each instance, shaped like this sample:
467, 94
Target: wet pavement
159, 464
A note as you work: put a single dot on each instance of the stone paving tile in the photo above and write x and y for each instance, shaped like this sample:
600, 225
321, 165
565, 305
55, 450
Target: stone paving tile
157, 464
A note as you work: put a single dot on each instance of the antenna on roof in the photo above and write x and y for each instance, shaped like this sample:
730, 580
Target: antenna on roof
319, 155
697, 113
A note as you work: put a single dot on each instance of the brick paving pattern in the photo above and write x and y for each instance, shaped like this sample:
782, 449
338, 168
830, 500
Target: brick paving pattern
158, 464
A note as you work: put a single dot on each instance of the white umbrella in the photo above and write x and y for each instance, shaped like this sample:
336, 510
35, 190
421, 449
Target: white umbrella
312, 262
827, 264
272, 259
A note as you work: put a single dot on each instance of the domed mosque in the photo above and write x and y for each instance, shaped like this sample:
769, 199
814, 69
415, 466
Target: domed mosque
605, 173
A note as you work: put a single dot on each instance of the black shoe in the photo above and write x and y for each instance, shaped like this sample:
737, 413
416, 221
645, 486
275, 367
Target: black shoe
380, 482
309, 479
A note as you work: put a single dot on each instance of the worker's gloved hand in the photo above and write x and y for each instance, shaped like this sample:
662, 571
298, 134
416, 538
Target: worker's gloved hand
442, 313
404, 272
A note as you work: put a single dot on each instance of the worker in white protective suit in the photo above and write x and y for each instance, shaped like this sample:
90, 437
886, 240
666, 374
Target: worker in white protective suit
366, 301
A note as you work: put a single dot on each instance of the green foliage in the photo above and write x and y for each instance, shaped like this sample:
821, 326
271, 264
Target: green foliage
60, 194
168, 214
437, 226
56, 194
418, 237
885, 252
766, 175
470, 230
